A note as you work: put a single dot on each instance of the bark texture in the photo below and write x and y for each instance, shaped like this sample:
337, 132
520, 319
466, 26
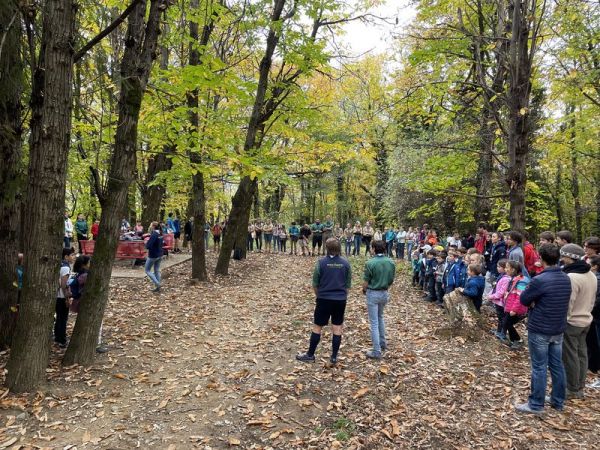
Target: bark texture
51, 105
140, 47
11, 179
522, 47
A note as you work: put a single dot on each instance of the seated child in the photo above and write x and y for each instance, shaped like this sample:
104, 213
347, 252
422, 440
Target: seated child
475, 285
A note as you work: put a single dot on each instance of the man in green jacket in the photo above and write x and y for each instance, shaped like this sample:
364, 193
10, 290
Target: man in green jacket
378, 277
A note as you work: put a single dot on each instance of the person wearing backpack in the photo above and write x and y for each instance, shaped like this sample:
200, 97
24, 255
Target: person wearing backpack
155, 253
62, 298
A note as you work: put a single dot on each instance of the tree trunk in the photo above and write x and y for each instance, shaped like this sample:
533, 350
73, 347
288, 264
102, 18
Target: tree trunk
240, 211
575, 176
140, 46
198, 194
11, 160
381, 161
153, 193
341, 198
556, 197
51, 105
522, 45
237, 225
461, 310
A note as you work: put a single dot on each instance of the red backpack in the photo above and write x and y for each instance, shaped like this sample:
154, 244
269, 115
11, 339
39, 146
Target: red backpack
531, 258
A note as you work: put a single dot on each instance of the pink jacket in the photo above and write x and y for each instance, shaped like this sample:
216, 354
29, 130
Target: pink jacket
497, 296
517, 286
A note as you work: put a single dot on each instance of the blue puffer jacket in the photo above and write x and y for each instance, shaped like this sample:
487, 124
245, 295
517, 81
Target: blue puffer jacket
498, 252
547, 296
458, 277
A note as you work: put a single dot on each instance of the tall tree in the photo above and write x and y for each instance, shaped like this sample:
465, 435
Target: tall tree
11, 177
136, 64
50, 128
525, 21
242, 200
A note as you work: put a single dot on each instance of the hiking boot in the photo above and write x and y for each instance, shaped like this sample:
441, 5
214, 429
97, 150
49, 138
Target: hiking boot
517, 345
373, 355
525, 408
574, 395
156, 290
305, 357
333, 359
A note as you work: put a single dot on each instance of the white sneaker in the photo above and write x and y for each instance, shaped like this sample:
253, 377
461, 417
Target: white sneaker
595, 384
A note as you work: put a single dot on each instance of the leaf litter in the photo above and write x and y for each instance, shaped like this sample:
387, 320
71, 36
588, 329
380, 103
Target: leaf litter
211, 365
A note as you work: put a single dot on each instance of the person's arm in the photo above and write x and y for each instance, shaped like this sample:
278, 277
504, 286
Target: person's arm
500, 290
532, 293
367, 275
316, 278
349, 278
470, 289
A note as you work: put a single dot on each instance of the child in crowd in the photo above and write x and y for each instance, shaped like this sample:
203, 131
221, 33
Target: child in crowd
458, 278
429, 283
77, 285
416, 267
439, 277
448, 271
514, 311
475, 285
497, 296
422, 269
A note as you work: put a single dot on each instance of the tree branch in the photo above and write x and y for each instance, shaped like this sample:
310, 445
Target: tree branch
118, 21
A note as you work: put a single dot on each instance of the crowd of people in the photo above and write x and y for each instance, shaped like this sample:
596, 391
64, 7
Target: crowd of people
555, 286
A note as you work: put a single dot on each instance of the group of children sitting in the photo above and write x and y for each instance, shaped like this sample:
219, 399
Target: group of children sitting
439, 271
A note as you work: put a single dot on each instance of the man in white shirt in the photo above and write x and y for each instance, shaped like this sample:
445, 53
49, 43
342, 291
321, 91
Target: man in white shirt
400, 242
68, 230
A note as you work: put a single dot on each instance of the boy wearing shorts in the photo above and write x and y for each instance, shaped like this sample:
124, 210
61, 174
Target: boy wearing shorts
332, 279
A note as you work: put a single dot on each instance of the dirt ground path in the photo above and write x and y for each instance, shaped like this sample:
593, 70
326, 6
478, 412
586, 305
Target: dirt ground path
211, 365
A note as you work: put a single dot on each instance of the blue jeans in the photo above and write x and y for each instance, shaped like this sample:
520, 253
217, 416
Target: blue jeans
348, 247
546, 352
409, 247
376, 301
206, 240
155, 277
357, 241
67, 242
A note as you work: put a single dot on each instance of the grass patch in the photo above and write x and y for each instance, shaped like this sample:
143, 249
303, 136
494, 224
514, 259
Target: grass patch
344, 428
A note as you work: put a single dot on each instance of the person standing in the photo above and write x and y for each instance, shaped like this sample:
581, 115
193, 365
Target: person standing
317, 236
294, 232
481, 241
378, 277
95, 229
514, 252
188, 230
400, 242
155, 253
176, 233
547, 297
367, 234
217, 231
68, 231
579, 317
328, 227
348, 238
81, 228
332, 279
304, 236
357, 232
390, 237
62, 298
269, 235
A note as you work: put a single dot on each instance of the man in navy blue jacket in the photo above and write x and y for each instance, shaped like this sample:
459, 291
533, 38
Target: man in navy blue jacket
332, 279
547, 296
